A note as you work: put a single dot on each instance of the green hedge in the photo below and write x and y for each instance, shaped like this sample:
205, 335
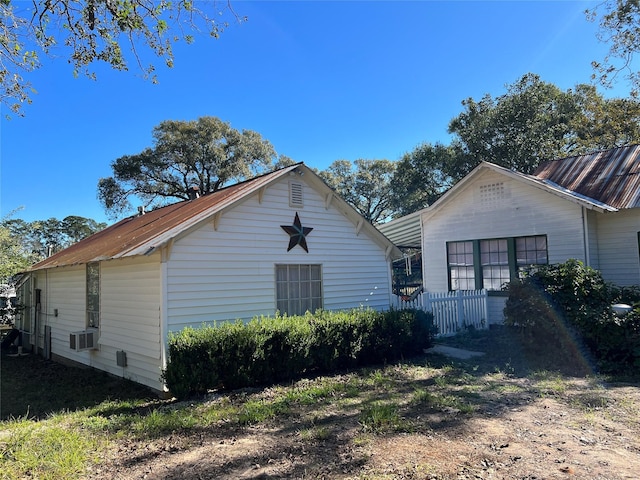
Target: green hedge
565, 310
267, 350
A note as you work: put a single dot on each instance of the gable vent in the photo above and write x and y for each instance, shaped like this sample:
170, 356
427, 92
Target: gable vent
295, 195
493, 193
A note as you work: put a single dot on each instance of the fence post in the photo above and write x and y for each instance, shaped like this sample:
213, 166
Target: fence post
460, 308
485, 302
426, 302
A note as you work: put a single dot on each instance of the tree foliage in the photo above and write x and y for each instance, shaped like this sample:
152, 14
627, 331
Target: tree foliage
519, 129
116, 32
421, 176
40, 238
365, 184
25, 243
620, 28
13, 257
536, 121
205, 153
604, 123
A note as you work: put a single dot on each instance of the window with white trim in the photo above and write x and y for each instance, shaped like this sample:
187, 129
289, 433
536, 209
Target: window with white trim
490, 263
93, 294
298, 288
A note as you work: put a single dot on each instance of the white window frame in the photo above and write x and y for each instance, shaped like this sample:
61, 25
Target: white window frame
93, 298
298, 288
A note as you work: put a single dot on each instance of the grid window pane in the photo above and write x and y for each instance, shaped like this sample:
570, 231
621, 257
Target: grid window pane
93, 294
460, 261
494, 277
305, 273
298, 288
494, 257
531, 250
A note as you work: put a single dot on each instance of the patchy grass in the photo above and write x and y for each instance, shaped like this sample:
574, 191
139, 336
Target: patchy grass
34, 388
61, 422
52, 452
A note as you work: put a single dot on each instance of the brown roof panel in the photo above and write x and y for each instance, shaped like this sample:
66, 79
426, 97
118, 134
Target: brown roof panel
143, 233
611, 176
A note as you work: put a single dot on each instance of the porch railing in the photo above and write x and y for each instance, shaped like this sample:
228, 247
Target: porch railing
452, 311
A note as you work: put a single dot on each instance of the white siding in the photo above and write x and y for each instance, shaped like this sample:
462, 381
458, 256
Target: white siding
229, 273
130, 319
518, 210
129, 316
495, 306
62, 289
592, 228
618, 246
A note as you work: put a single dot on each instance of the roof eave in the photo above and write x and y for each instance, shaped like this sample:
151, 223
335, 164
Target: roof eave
590, 204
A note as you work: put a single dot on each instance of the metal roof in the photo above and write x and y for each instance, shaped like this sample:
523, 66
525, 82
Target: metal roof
146, 233
611, 177
404, 231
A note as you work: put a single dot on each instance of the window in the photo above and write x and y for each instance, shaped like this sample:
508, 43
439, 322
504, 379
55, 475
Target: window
489, 264
93, 294
494, 258
298, 288
461, 271
531, 251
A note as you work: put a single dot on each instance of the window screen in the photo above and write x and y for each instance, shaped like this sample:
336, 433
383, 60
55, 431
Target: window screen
298, 288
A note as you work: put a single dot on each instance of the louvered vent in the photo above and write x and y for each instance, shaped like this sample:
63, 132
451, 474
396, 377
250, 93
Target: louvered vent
295, 194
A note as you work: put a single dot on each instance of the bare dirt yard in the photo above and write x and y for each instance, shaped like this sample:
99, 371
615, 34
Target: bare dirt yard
498, 416
507, 414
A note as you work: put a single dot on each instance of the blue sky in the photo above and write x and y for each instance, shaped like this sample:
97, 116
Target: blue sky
321, 81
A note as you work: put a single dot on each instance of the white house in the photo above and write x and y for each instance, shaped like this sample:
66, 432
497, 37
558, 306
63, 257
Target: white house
280, 242
495, 221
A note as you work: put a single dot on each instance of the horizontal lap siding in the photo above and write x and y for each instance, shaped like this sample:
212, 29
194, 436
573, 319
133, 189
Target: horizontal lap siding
618, 246
523, 210
130, 319
230, 273
63, 289
495, 307
593, 249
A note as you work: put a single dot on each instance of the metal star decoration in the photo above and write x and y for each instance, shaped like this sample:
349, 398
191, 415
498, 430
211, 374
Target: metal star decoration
297, 234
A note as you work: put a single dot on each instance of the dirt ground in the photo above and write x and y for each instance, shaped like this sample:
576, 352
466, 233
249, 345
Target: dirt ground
521, 427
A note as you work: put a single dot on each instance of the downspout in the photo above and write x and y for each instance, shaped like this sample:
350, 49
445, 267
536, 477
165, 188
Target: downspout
423, 257
163, 320
585, 238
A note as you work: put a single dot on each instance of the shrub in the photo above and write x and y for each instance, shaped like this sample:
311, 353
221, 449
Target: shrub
267, 350
565, 310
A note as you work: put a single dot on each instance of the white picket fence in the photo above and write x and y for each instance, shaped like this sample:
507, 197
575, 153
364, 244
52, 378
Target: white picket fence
452, 311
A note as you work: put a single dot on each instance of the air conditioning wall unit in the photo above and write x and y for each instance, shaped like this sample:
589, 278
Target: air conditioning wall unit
84, 340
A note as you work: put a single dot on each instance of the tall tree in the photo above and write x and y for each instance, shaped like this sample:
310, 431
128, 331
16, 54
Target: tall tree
604, 122
519, 129
365, 184
620, 28
40, 238
13, 257
112, 31
205, 153
536, 121
421, 176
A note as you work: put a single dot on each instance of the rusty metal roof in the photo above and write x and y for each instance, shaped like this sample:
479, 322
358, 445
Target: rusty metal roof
147, 233
143, 234
610, 176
